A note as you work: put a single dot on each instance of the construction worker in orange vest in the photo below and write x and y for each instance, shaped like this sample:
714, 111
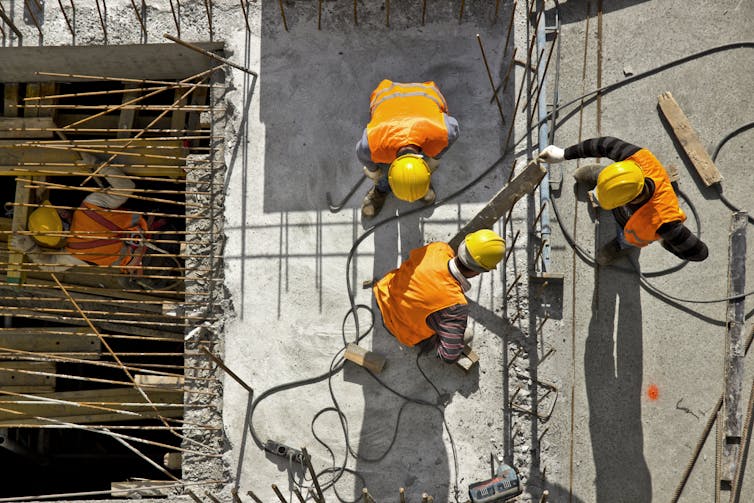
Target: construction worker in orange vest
409, 130
92, 234
637, 189
425, 297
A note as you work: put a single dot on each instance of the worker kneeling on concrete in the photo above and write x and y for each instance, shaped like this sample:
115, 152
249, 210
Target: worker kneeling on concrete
425, 298
637, 189
92, 234
409, 130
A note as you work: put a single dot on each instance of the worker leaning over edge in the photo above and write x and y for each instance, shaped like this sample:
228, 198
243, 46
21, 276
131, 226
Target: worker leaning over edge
637, 189
408, 132
97, 234
425, 297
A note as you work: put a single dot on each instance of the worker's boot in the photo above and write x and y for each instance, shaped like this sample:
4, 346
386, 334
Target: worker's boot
430, 196
587, 175
373, 203
610, 252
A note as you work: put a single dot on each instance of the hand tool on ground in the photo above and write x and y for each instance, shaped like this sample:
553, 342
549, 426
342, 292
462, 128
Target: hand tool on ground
503, 486
337, 207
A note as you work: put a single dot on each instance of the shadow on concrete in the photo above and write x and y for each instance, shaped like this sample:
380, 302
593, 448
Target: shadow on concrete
613, 376
573, 11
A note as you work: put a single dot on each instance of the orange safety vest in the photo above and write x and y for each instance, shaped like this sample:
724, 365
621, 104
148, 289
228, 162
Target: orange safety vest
101, 236
662, 207
406, 114
422, 285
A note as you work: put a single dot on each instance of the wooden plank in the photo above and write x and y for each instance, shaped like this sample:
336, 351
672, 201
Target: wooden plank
59, 340
169, 382
25, 127
10, 379
47, 89
173, 460
127, 115
365, 358
20, 215
498, 206
178, 117
10, 100
32, 91
468, 359
734, 345
689, 139
6, 224
168, 402
142, 488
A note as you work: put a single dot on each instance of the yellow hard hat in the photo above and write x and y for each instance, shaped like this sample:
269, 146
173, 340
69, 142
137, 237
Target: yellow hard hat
482, 250
409, 177
618, 184
43, 220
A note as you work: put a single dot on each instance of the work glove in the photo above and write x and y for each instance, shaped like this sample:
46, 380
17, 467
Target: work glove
552, 154
373, 175
23, 243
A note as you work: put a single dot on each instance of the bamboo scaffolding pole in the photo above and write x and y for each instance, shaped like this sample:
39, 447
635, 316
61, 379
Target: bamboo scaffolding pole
106, 130
6, 310
50, 172
35, 184
38, 399
140, 314
128, 268
101, 380
145, 213
123, 106
127, 302
90, 93
42, 356
210, 55
106, 141
99, 430
116, 192
182, 83
200, 75
109, 426
101, 151
145, 458
113, 291
178, 338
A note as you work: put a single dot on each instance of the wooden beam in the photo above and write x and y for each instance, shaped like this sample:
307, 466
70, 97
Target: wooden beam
50, 340
364, 358
25, 127
168, 402
498, 206
32, 91
689, 139
20, 215
127, 115
10, 100
12, 377
47, 89
178, 117
734, 345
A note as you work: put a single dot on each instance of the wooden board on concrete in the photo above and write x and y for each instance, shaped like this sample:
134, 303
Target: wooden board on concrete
468, 359
734, 345
498, 206
689, 139
10, 100
364, 358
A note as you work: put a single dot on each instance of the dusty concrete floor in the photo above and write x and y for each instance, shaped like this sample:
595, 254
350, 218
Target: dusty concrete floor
291, 139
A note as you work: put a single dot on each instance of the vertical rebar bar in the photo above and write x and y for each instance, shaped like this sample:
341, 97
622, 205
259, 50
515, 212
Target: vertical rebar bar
387, 13
539, 214
175, 16
141, 21
497, 8
33, 17
279, 494
355, 13
424, 10
313, 475
10, 24
489, 76
319, 15
460, 11
253, 496
65, 16
245, 15
282, 14
513, 245
208, 10
102, 19
402, 495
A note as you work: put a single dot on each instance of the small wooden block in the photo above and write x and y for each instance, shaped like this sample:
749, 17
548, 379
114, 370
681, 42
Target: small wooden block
673, 173
468, 359
158, 381
367, 359
172, 460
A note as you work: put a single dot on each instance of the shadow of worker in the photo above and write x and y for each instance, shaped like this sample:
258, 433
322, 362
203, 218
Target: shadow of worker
401, 442
613, 373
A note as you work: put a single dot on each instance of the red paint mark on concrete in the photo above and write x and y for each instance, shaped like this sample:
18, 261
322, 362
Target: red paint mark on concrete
653, 392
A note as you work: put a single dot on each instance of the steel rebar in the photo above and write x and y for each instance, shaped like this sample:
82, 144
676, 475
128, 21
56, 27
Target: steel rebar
67, 21
489, 76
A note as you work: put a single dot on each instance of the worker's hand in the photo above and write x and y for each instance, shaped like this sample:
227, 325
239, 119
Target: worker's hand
552, 154
22, 243
373, 175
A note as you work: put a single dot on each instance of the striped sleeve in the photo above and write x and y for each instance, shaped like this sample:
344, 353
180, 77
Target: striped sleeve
681, 242
605, 146
449, 324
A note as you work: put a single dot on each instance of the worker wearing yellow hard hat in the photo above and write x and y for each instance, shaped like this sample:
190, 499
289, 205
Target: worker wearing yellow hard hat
409, 130
637, 189
424, 297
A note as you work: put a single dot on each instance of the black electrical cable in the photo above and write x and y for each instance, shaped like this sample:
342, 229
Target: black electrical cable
335, 368
719, 186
